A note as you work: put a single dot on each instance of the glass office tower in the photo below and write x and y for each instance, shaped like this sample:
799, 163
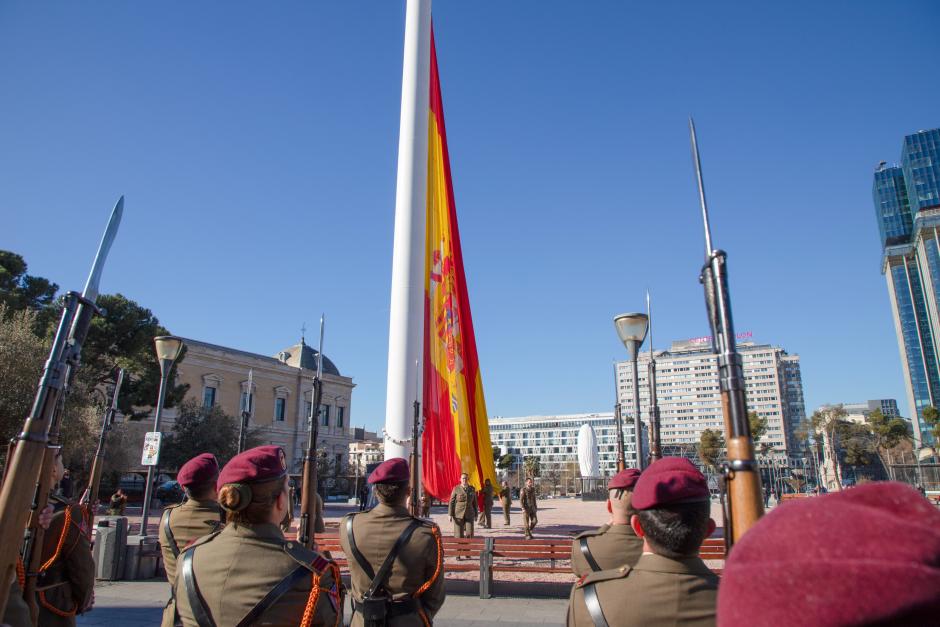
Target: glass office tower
907, 207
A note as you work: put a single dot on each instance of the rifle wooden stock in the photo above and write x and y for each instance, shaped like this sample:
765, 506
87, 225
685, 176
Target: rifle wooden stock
744, 488
19, 490
35, 534
308, 498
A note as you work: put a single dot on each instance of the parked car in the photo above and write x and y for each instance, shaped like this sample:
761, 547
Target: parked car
170, 492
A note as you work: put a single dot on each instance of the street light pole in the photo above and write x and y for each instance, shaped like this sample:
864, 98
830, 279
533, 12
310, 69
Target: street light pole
168, 349
632, 328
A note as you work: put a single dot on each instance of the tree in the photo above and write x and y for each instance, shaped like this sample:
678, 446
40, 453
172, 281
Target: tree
533, 466
22, 354
857, 445
828, 423
199, 429
711, 444
932, 418
506, 461
20, 291
758, 425
886, 435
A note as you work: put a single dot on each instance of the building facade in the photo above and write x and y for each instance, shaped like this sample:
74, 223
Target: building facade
859, 412
554, 440
689, 399
279, 399
907, 209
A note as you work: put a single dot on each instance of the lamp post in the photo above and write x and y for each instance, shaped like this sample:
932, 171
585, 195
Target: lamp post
168, 349
655, 447
632, 327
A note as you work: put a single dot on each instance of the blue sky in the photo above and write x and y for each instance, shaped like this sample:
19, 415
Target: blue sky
256, 144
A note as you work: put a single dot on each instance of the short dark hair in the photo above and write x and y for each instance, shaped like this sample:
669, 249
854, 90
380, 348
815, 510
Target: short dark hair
199, 491
676, 530
392, 493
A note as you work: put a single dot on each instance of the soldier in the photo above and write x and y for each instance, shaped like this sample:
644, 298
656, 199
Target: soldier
530, 507
425, 505
197, 516
488, 493
248, 573
66, 581
614, 544
395, 560
17, 612
505, 497
865, 556
463, 507
118, 503
670, 584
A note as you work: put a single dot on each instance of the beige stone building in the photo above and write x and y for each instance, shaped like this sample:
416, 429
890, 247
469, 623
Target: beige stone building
280, 396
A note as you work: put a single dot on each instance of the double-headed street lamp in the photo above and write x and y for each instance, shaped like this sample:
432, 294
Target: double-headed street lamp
632, 327
168, 349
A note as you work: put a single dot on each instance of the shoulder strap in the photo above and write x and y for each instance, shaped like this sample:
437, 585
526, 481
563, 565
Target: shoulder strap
360, 558
586, 552
200, 612
271, 597
379, 578
168, 532
594, 606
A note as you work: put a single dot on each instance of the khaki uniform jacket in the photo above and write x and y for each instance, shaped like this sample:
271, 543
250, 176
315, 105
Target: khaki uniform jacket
17, 612
529, 500
657, 591
416, 572
67, 585
611, 546
505, 496
236, 567
463, 503
188, 521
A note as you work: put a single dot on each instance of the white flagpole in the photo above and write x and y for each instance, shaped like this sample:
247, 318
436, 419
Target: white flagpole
406, 320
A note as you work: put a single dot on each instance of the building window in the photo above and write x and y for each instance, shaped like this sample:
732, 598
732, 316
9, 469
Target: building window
248, 402
208, 397
339, 461
324, 415
279, 404
340, 416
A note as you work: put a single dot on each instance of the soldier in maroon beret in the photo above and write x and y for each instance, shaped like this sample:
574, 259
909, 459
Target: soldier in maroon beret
248, 573
869, 555
614, 544
412, 591
669, 584
197, 516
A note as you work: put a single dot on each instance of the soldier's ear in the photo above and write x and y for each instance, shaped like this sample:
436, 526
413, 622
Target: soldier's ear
638, 530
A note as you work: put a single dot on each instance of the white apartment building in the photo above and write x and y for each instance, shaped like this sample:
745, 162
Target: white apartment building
689, 398
554, 439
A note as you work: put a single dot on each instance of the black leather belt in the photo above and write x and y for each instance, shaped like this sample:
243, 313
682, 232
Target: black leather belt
394, 608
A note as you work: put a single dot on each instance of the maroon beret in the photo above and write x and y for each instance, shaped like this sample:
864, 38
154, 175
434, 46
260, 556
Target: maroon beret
624, 479
865, 556
264, 463
394, 470
200, 469
668, 481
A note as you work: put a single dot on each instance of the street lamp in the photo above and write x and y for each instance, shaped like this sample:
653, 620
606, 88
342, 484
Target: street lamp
168, 349
632, 327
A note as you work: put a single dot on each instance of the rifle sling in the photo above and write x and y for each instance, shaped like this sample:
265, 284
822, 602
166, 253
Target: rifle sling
202, 614
594, 606
586, 552
378, 579
168, 532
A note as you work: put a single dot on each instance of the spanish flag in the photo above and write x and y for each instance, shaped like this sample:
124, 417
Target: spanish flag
456, 434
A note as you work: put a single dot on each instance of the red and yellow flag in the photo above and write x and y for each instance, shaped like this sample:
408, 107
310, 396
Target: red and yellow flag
456, 433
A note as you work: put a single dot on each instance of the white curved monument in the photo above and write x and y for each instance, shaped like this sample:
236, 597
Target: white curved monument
588, 458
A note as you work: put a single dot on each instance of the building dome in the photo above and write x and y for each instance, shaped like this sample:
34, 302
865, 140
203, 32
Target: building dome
303, 356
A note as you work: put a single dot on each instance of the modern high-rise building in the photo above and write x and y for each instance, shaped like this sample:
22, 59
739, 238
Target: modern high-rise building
554, 439
689, 399
907, 207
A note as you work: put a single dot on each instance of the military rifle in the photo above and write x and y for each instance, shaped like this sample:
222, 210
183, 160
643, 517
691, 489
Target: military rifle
308, 499
655, 445
90, 496
741, 471
413, 458
26, 488
246, 414
618, 420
